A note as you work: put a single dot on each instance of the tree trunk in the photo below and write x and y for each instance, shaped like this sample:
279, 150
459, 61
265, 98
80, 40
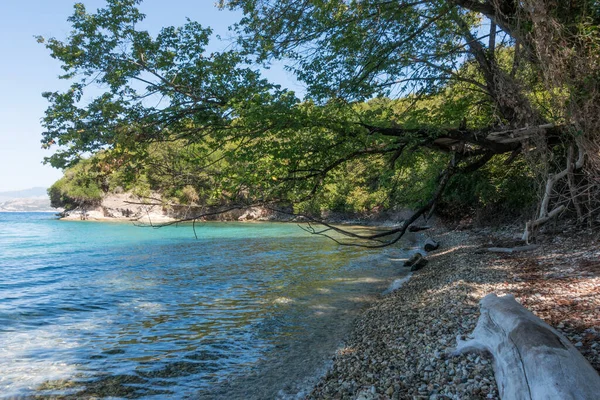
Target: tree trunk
545, 215
532, 360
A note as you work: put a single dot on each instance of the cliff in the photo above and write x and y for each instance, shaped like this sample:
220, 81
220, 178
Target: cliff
150, 210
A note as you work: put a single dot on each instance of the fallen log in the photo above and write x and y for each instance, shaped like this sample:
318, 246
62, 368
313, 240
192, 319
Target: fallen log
532, 360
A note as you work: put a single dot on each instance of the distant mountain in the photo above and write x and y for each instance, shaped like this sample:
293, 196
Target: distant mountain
36, 192
31, 204
33, 200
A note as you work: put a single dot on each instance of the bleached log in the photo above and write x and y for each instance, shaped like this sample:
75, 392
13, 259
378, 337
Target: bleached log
531, 360
521, 134
531, 225
544, 215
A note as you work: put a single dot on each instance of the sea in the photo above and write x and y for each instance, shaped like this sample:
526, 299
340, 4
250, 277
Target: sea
232, 311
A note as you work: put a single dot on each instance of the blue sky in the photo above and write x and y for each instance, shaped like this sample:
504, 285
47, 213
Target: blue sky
27, 70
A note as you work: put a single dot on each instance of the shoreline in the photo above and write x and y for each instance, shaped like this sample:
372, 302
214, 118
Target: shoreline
399, 348
126, 207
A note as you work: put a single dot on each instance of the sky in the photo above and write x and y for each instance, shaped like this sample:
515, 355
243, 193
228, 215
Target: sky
27, 70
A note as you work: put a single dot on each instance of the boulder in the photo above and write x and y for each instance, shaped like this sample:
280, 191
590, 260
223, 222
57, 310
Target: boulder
416, 262
430, 245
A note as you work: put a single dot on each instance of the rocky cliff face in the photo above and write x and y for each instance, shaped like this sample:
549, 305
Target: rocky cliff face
123, 207
150, 210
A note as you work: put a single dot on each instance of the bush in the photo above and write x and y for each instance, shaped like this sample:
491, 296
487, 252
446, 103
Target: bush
497, 192
79, 187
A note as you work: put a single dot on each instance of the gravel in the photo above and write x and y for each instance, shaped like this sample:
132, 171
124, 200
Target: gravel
401, 347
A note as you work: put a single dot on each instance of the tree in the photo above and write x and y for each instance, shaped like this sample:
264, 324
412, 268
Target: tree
531, 65
77, 188
359, 49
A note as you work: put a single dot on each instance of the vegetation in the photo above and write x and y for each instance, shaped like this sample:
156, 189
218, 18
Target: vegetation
79, 187
467, 98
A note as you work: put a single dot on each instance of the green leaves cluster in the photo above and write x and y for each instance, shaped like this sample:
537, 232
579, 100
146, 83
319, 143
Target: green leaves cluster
79, 187
153, 88
384, 79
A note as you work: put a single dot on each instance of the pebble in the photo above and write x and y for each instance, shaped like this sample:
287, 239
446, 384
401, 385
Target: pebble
401, 347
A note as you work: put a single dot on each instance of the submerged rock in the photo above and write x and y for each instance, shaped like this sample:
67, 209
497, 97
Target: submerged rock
416, 262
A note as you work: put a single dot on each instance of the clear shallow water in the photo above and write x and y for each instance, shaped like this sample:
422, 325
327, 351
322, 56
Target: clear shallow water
113, 310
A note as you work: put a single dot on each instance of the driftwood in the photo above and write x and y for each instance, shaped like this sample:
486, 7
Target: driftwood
430, 245
532, 225
512, 249
531, 359
545, 215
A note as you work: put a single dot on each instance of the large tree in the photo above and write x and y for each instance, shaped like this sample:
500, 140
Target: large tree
532, 66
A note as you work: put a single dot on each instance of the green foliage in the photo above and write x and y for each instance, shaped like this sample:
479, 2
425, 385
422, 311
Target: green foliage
197, 90
354, 49
222, 134
498, 191
79, 187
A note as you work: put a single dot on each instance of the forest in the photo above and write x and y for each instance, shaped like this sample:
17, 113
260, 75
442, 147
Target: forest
486, 108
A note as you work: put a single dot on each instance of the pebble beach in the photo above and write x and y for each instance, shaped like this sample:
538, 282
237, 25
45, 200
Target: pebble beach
401, 347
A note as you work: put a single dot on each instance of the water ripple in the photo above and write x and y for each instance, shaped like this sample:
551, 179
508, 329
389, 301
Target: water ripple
113, 310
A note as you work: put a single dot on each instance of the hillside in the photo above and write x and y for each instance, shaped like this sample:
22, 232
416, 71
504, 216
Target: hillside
35, 192
27, 200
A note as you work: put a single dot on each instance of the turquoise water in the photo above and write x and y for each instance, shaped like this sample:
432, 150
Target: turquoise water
115, 310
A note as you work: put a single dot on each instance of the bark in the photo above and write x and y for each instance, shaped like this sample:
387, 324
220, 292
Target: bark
532, 360
545, 215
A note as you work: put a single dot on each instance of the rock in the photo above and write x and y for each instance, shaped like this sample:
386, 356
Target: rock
416, 262
421, 262
365, 395
412, 260
253, 214
413, 328
430, 245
